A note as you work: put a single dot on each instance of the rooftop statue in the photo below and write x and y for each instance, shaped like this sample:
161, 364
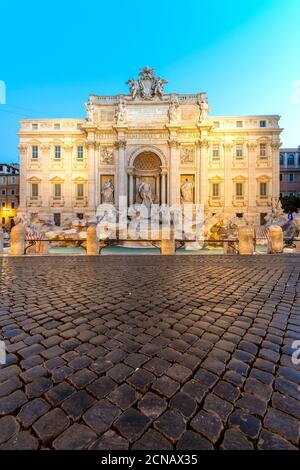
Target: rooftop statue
147, 86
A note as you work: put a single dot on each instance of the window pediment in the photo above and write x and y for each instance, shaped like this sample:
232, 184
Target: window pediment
263, 178
34, 179
239, 179
215, 179
79, 180
57, 179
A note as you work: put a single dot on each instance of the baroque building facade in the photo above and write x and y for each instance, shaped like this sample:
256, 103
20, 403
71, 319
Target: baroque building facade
290, 172
9, 194
152, 147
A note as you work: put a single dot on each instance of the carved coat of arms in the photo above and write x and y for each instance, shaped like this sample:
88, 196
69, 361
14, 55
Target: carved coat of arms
147, 86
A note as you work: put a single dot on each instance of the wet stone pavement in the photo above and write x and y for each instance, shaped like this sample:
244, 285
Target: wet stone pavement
150, 352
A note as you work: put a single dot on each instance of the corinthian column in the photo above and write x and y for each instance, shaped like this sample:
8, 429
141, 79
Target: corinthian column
91, 176
203, 172
121, 144
252, 182
275, 148
163, 185
173, 165
23, 176
68, 154
131, 189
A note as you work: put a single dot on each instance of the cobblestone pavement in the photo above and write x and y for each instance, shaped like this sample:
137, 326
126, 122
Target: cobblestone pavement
150, 352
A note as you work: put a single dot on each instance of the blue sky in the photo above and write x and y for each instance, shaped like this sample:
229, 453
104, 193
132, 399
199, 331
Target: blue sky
244, 54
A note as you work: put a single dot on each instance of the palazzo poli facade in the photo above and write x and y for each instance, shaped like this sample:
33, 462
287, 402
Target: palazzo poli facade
148, 144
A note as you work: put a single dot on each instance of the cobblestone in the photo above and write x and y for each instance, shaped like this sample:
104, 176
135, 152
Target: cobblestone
51, 425
8, 428
22, 441
31, 411
185, 352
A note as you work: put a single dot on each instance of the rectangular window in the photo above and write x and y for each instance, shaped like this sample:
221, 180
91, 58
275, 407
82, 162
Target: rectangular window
216, 124
34, 190
12, 192
80, 190
240, 215
3, 179
3, 192
13, 180
291, 177
80, 152
239, 150
57, 151
239, 189
79, 215
263, 189
262, 123
280, 176
3, 204
216, 152
215, 190
57, 126
239, 123
56, 217
12, 205
35, 151
57, 190
34, 127
263, 150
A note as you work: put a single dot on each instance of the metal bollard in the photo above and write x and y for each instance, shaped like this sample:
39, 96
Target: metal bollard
168, 244
92, 242
42, 247
275, 239
17, 240
246, 240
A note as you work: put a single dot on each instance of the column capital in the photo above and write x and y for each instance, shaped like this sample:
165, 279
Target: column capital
23, 148
252, 146
164, 170
228, 146
91, 144
120, 144
275, 145
204, 143
173, 143
130, 170
67, 147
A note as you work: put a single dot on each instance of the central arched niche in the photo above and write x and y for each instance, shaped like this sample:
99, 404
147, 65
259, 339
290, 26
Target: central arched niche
147, 167
147, 162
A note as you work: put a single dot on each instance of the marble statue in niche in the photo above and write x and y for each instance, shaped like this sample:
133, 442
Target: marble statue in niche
108, 191
187, 190
144, 194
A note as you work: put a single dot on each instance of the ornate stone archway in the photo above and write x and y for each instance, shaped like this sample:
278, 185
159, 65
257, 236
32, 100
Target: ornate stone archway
147, 164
